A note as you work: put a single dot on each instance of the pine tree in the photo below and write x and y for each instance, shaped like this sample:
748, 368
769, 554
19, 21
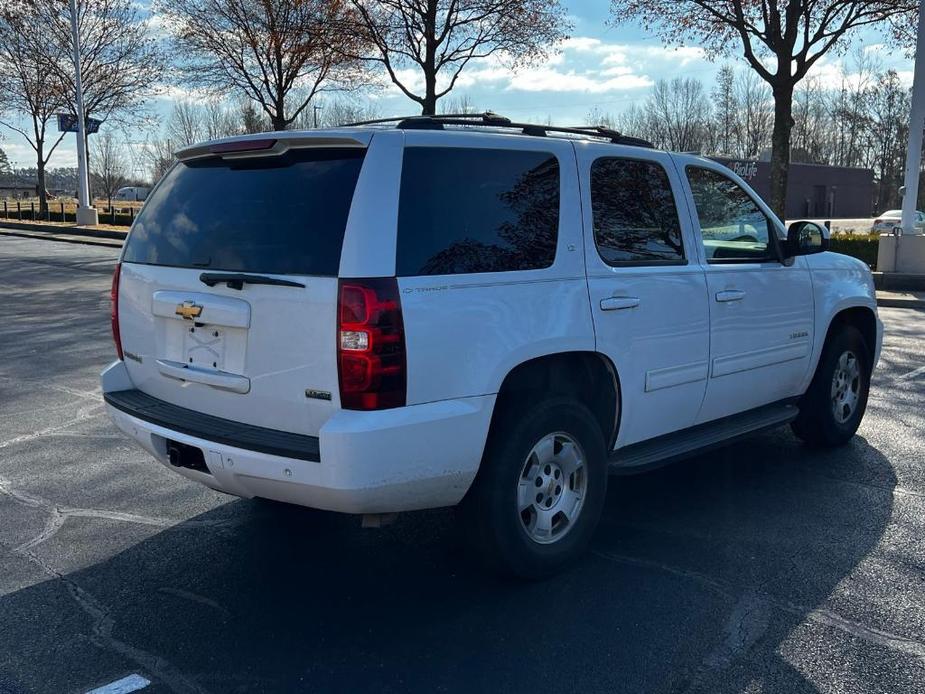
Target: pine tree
5, 167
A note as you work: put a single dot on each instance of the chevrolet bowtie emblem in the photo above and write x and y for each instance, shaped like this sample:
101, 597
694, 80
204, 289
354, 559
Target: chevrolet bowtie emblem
189, 310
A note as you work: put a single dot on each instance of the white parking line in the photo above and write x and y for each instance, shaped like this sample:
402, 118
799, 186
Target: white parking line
132, 683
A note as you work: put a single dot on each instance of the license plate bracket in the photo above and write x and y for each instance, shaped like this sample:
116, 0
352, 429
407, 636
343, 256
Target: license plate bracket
204, 347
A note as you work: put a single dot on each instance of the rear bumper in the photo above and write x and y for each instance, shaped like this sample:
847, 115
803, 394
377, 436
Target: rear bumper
408, 458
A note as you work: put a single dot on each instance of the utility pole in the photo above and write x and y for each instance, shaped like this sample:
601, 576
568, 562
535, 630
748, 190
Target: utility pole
916, 126
316, 108
86, 213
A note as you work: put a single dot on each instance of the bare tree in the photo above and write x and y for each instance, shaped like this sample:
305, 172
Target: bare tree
678, 113
5, 167
458, 104
219, 120
278, 53
110, 169
335, 112
754, 115
598, 116
810, 122
441, 37
888, 133
186, 125
30, 95
675, 115
120, 61
791, 34
157, 153
725, 110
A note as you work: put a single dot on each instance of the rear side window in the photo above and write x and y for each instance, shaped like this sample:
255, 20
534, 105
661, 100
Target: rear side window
635, 218
283, 214
476, 210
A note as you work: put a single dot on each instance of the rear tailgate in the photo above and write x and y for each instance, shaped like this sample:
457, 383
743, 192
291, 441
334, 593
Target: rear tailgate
228, 289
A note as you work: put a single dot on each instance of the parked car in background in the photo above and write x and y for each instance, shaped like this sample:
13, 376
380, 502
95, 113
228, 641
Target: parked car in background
132, 194
375, 320
885, 222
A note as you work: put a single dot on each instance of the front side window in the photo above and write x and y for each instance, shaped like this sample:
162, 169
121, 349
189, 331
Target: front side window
476, 210
732, 225
635, 218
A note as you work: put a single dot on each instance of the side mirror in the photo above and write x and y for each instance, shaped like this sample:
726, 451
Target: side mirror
806, 238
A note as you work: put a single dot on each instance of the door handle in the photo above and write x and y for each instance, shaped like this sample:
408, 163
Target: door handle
618, 303
730, 295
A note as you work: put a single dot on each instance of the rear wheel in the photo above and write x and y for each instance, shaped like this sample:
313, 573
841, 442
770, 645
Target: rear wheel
833, 406
540, 490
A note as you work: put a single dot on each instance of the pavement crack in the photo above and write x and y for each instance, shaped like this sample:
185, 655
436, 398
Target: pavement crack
870, 634
102, 633
81, 416
747, 622
194, 597
53, 524
58, 515
705, 580
823, 616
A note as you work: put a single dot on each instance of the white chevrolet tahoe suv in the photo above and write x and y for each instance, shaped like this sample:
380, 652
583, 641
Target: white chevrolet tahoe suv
467, 311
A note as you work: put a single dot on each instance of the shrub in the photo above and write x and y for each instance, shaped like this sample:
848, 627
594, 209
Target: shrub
860, 246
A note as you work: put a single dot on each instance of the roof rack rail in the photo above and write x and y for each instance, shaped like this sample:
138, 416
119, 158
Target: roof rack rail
489, 118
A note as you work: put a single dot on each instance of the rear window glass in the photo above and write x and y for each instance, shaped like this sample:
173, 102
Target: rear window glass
282, 214
476, 210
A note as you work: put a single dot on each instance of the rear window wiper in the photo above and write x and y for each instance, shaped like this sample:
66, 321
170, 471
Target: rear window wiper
237, 280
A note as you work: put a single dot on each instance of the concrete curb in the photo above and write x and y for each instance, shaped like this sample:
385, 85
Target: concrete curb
63, 238
900, 303
71, 231
899, 281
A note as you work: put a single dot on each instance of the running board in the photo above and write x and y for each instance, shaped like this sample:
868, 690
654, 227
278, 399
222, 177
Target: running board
696, 439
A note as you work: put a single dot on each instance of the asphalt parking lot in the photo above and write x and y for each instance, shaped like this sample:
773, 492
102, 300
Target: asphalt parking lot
765, 567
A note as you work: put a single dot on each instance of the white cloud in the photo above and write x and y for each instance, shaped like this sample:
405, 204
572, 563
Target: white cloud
579, 64
174, 92
683, 55
543, 80
64, 156
20, 155
582, 43
588, 64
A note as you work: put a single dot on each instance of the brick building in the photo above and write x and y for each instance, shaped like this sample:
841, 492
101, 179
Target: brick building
813, 190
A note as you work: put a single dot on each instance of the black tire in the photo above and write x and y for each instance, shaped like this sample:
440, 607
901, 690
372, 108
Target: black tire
817, 423
490, 511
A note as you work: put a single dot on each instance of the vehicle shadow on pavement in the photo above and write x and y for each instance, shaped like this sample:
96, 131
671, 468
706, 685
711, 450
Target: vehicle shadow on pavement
699, 578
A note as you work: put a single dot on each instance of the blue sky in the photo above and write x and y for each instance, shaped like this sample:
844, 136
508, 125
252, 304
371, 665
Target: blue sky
601, 66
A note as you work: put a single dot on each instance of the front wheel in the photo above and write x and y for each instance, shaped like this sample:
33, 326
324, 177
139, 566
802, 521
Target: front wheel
833, 406
540, 491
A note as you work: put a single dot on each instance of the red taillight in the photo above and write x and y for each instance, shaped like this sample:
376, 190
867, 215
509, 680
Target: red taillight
878, 221
114, 309
370, 344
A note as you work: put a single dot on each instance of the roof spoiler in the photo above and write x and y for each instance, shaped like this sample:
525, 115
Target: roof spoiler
252, 147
